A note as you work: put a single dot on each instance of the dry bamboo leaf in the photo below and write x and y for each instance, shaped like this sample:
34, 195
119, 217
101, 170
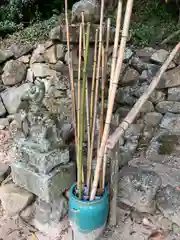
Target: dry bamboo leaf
157, 235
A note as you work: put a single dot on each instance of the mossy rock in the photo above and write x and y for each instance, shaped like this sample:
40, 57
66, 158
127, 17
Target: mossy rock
167, 144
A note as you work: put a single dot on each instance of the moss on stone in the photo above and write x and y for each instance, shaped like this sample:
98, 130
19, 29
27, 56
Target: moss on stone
167, 144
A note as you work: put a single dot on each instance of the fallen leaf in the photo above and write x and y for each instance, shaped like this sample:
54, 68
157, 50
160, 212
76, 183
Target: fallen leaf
157, 235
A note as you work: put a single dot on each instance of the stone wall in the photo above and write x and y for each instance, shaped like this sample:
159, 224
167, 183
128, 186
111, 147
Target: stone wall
156, 130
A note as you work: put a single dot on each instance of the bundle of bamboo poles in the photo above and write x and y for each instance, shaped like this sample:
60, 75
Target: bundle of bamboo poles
88, 105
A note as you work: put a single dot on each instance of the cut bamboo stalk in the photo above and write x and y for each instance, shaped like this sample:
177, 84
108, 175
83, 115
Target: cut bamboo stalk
116, 41
113, 88
89, 162
138, 105
101, 127
107, 48
70, 68
79, 90
104, 166
96, 90
93, 80
82, 109
104, 80
71, 74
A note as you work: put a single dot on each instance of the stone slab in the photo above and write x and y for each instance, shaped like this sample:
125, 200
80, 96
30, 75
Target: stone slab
137, 188
47, 187
165, 148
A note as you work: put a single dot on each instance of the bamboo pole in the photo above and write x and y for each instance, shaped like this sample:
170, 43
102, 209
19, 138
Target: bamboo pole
137, 107
93, 79
89, 163
104, 79
70, 70
101, 122
96, 92
82, 110
79, 91
116, 42
114, 83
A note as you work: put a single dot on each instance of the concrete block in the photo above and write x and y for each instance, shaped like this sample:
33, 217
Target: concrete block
47, 187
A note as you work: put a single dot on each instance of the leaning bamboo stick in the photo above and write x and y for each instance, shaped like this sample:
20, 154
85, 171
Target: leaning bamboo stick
96, 90
82, 109
137, 107
113, 88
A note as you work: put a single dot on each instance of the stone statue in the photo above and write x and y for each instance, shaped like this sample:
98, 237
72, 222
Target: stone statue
41, 143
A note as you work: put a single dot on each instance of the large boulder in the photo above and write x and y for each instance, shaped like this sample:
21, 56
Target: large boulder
5, 55
90, 8
14, 72
137, 188
14, 199
12, 97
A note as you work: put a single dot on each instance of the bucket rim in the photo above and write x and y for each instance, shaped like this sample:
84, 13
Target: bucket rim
103, 197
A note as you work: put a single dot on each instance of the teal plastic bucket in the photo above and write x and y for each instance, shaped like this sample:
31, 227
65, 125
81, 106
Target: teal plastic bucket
88, 216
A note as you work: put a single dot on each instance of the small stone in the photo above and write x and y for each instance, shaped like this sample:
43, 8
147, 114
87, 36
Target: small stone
150, 72
137, 188
168, 106
129, 76
152, 118
168, 202
25, 59
123, 111
60, 53
4, 171
171, 122
124, 96
174, 94
127, 54
59, 66
42, 70
48, 213
14, 72
160, 57
4, 122
20, 50
170, 79
14, 199
90, 9
2, 109
147, 107
48, 187
37, 55
50, 55
30, 75
157, 96
5, 55
28, 213
177, 58
145, 53
13, 95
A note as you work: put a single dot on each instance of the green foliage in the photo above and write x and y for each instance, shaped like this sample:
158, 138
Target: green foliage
152, 21
16, 14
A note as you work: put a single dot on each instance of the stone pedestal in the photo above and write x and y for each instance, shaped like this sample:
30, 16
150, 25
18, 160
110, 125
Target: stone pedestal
46, 186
